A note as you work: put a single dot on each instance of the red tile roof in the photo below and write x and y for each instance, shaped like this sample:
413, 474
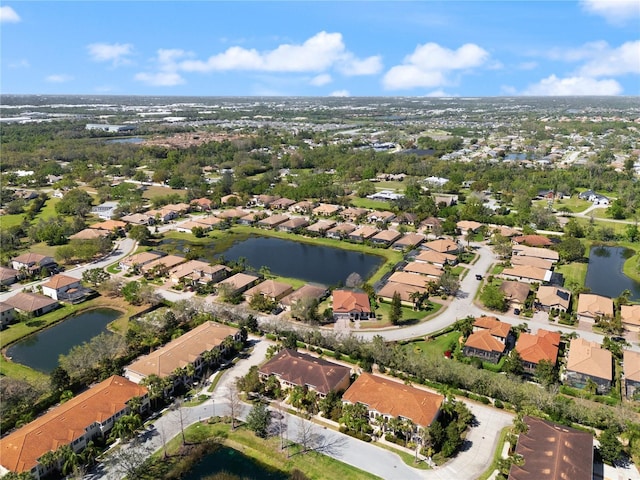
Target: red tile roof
394, 399
542, 346
345, 301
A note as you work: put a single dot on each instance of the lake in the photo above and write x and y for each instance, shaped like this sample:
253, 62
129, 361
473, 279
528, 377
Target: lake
41, 350
134, 140
604, 274
226, 459
288, 258
312, 263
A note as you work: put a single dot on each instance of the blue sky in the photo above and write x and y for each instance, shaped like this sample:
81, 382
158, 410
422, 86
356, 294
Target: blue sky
349, 48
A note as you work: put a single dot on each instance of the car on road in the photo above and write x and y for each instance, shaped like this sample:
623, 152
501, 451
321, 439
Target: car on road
478, 276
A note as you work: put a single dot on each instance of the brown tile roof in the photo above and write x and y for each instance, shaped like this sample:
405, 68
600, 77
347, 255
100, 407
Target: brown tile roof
302, 369
29, 302
594, 305
109, 225
59, 281
527, 271
168, 261
233, 213
483, 340
630, 314
239, 280
431, 256
342, 228
6, 273
403, 290
468, 225
533, 240
410, 240
366, 231
305, 291
208, 221
345, 301
553, 452
270, 288
182, 351
423, 269
274, 220
589, 358
140, 258
295, 222
517, 291
321, 226
387, 236
536, 252
631, 362
89, 234
395, 399
408, 278
542, 346
550, 296
493, 325
29, 258
531, 261
443, 246
20, 450
326, 209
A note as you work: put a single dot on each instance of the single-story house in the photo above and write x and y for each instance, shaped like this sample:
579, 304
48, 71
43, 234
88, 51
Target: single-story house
592, 307
165, 263
239, 283
162, 215
326, 210
466, 226
231, 199
535, 252
351, 305
515, 293
443, 245
106, 210
187, 227
630, 316
436, 258
90, 234
588, 360
179, 208
115, 226
273, 221
378, 216
138, 260
271, 289
388, 398
389, 289
631, 373
409, 240
353, 214
32, 303
321, 226
304, 207
293, 224
526, 273
306, 291
552, 451
533, 240
363, 233
209, 222
137, 219
232, 214
197, 271
408, 278
340, 231
385, 237
522, 260
427, 269
430, 224
533, 349
550, 297
282, 204
75, 422
202, 204
296, 369
250, 218
184, 350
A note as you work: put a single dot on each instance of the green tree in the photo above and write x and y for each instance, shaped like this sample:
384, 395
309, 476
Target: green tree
493, 298
59, 379
258, 419
75, 203
95, 276
570, 249
395, 315
610, 446
546, 373
140, 234
513, 363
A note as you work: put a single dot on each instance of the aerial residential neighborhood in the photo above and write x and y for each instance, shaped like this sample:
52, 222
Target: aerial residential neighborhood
442, 304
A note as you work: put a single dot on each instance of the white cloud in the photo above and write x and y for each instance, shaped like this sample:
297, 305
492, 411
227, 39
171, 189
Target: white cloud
614, 61
160, 79
320, 80
317, 54
340, 93
9, 15
583, 52
58, 78
429, 65
439, 94
352, 66
116, 53
554, 86
614, 11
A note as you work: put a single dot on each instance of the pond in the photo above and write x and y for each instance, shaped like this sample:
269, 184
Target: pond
226, 459
287, 258
604, 273
41, 350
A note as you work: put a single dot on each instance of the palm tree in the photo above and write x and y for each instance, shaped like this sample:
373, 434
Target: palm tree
416, 298
190, 372
135, 404
68, 458
90, 453
48, 460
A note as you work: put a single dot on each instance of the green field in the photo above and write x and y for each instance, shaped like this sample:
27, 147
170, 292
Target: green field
369, 203
573, 204
436, 347
48, 211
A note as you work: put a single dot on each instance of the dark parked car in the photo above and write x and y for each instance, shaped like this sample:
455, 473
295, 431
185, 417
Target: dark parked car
478, 276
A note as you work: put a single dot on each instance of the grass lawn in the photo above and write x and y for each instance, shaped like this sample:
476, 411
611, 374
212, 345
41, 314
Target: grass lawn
265, 452
632, 264
47, 211
369, 203
154, 191
574, 272
409, 315
457, 270
618, 228
437, 346
573, 204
